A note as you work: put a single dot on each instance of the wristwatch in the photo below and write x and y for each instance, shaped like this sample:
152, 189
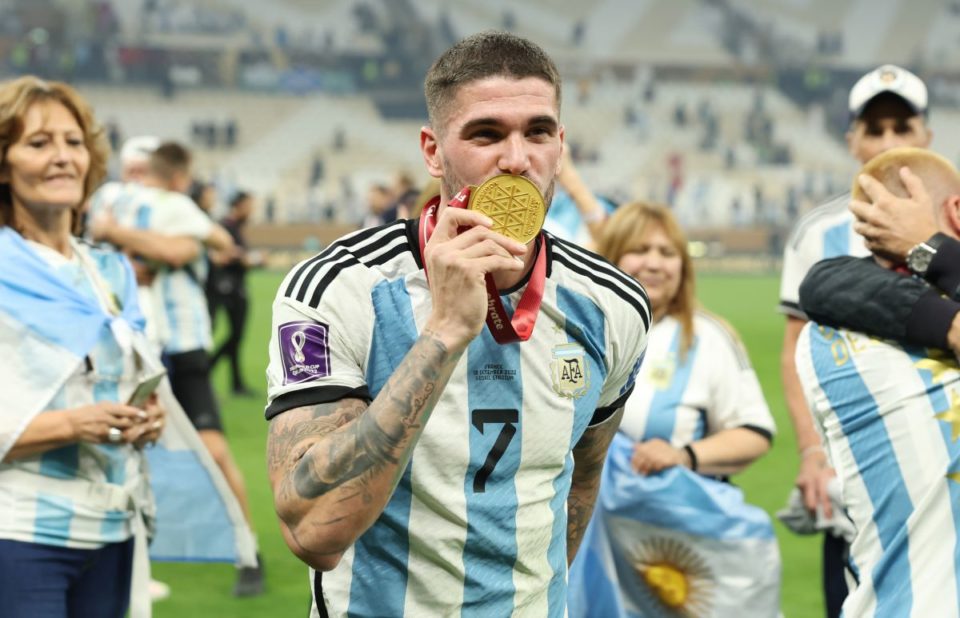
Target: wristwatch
920, 256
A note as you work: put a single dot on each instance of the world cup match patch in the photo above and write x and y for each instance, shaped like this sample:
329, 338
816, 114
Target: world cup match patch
304, 350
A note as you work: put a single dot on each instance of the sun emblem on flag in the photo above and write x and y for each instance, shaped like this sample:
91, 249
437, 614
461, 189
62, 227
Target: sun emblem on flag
677, 579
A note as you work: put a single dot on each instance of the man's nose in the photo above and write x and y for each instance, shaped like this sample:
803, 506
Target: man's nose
514, 159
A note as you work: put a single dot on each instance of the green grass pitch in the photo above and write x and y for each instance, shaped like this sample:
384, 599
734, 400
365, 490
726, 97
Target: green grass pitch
748, 302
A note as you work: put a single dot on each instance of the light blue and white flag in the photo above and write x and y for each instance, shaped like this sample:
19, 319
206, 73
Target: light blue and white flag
49, 326
673, 544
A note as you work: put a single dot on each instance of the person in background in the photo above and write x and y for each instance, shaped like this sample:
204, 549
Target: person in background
405, 194
888, 109
72, 476
888, 409
379, 202
697, 407
204, 195
159, 223
227, 287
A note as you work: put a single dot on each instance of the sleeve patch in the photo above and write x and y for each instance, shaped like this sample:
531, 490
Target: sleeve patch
304, 351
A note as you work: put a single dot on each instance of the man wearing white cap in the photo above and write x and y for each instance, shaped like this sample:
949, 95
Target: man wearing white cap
888, 109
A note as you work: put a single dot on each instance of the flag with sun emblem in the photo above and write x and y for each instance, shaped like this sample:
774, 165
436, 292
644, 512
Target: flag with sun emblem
673, 545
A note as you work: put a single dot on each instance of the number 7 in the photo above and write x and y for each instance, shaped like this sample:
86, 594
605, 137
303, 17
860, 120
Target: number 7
479, 418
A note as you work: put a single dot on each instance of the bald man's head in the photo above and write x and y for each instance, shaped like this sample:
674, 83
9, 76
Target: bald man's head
938, 174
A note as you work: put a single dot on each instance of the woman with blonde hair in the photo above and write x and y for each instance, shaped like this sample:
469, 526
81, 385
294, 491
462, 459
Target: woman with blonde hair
696, 416
73, 487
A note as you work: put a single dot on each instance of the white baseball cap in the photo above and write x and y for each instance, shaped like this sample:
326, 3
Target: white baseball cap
888, 78
138, 149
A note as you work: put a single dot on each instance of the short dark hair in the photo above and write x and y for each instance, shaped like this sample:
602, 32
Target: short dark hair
481, 55
168, 159
238, 198
887, 105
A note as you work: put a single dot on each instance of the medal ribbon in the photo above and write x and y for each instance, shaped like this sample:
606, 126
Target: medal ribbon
503, 328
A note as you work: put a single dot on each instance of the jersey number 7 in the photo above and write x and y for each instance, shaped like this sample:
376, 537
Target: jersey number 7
482, 417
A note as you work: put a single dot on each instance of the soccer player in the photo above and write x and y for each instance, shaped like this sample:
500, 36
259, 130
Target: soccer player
890, 419
156, 222
888, 108
860, 294
419, 467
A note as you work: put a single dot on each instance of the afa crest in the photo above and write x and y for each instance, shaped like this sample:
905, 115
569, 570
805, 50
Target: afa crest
569, 370
661, 371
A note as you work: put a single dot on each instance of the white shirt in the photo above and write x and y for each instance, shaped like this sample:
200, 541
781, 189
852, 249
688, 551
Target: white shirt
682, 400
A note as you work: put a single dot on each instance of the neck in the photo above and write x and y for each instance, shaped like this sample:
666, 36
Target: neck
659, 313
49, 226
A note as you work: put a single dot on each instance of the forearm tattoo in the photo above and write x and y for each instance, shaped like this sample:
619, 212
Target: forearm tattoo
589, 457
343, 442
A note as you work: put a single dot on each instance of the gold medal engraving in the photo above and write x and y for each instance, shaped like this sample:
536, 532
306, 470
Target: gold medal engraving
515, 205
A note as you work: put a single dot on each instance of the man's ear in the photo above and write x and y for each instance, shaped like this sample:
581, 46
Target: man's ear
430, 148
951, 213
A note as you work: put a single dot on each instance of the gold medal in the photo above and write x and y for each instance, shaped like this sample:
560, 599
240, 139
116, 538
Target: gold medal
515, 205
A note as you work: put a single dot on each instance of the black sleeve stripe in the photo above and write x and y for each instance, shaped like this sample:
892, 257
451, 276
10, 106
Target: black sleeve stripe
341, 255
387, 247
360, 243
602, 265
639, 304
347, 241
337, 268
604, 413
332, 269
766, 433
338, 257
313, 396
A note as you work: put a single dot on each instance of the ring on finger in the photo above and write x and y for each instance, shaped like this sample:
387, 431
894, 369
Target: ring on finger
114, 435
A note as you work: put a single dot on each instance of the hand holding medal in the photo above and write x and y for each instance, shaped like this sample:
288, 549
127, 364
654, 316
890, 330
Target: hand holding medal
511, 212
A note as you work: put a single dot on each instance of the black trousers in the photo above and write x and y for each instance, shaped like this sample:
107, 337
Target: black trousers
236, 305
835, 557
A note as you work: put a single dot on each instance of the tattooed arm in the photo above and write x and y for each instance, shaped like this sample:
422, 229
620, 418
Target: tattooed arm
588, 457
334, 466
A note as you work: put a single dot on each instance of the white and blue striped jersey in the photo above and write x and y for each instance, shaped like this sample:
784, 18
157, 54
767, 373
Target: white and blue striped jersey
178, 291
825, 232
77, 495
685, 399
890, 419
477, 524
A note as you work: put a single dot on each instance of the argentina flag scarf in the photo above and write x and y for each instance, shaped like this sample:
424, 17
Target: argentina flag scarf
47, 327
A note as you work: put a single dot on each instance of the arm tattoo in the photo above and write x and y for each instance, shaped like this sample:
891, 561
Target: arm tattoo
355, 442
589, 456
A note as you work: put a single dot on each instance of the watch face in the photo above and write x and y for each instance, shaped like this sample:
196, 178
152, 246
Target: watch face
919, 258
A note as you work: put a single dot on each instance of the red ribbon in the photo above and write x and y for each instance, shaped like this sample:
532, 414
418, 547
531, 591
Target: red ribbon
503, 328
